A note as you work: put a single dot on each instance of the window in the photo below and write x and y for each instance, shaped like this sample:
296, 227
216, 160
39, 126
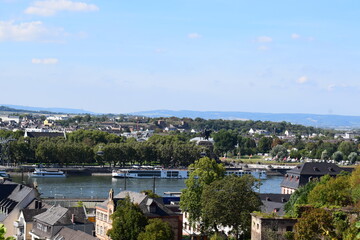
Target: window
39, 226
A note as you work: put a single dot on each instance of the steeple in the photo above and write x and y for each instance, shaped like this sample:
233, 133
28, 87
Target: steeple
111, 194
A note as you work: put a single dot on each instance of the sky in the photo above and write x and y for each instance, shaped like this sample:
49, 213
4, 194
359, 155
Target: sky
121, 56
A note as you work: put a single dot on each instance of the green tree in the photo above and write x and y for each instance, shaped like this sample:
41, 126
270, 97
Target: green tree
157, 229
353, 157
128, 221
331, 192
347, 147
314, 224
264, 145
3, 232
299, 197
338, 156
229, 202
279, 152
225, 141
203, 172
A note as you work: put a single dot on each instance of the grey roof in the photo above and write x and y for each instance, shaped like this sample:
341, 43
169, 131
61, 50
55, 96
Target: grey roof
52, 215
275, 197
69, 234
19, 193
57, 215
303, 173
316, 169
45, 134
273, 207
144, 202
29, 214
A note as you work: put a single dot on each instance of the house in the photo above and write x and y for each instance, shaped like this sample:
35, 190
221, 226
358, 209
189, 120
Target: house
24, 224
13, 198
151, 208
48, 224
304, 173
268, 226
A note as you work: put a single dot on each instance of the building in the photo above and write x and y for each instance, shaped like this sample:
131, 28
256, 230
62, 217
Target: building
13, 198
306, 172
48, 224
24, 224
151, 208
267, 226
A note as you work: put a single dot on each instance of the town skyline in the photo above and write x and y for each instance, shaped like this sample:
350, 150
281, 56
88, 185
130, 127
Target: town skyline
121, 57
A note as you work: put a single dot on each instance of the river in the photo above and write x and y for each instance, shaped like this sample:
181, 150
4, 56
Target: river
99, 186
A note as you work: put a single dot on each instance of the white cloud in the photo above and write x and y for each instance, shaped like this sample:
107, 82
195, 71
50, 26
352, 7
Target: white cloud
302, 79
25, 31
264, 39
331, 87
295, 36
45, 61
263, 48
51, 7
194, 35
310, 39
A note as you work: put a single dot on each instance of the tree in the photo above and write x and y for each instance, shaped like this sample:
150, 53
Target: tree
299, 197
203, 172
331, 192
157, 230
353, 157
229, 202
338, 156
3, 232
355, 185
264, 145
128, 221
347, 147
279, 152
315, 224
224, 141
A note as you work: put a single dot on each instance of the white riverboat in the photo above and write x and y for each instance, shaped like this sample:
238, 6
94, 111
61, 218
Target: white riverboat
4, 175
46, 173
177, 173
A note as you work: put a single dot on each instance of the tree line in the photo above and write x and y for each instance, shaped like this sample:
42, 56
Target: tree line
234, 143
100, 148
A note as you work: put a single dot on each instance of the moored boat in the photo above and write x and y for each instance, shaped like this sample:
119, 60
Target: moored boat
46, 173
178, 173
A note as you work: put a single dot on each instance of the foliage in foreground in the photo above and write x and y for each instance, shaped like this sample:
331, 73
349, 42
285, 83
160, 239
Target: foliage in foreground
157, 230
128, 221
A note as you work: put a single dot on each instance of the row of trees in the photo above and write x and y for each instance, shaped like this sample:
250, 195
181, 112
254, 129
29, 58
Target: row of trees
97, 147
210, 196
325, 208
233, 142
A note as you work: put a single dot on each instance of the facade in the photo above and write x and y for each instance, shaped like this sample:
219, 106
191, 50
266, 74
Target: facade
306, 172
267, 227
13, 198
49, 223
151, 208
24, 224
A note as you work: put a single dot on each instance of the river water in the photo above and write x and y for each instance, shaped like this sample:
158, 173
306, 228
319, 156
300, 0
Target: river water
99, 186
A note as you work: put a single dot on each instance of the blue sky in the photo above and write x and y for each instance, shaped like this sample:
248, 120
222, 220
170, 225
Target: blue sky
124, 56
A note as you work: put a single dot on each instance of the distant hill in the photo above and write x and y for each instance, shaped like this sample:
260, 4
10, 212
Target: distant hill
316, 120
17, 108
